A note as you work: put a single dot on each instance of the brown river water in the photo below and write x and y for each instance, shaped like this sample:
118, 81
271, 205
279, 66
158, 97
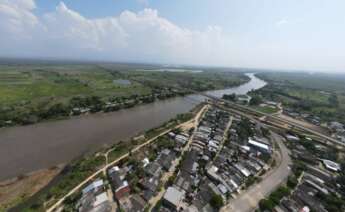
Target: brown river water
25, 149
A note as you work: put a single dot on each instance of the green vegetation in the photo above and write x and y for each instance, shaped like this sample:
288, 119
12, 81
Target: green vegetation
231, 97
216, 201
255, 100
266, 204
251, 180
83, 167
274, 199
266, 109
32, 93
244, 130
332, 202
200, 81
318, 94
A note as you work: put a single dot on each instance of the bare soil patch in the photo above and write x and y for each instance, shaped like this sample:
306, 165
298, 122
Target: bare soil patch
17, 189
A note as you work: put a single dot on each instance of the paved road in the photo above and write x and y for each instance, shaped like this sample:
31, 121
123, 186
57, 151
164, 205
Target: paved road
249, 199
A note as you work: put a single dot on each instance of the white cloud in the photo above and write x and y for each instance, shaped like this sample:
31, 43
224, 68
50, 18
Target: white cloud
16, 16
282, 22
142, 36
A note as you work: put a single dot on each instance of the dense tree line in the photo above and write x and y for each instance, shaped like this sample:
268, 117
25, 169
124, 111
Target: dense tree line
77, 104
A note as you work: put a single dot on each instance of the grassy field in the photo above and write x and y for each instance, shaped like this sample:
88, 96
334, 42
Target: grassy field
46, 83
34, 92
207, 79
19, 84
318, 81
322, 95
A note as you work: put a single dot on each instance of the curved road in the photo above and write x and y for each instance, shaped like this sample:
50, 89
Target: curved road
249, 199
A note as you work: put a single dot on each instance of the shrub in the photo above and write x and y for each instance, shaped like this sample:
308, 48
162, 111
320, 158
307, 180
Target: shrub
216, 201
266, 204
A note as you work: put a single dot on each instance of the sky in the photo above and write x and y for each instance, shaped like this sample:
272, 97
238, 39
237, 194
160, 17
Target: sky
274, 34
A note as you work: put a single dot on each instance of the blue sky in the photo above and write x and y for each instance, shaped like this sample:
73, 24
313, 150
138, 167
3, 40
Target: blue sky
294, 34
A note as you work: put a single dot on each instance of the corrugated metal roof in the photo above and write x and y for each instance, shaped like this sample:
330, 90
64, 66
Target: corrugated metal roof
258, 144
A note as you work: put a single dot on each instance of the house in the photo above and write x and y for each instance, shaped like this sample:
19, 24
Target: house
94, 202
190, 164
154, 169
243, 99
184, 181
150, 186
335, 125
271, 103
165, 159
119, 186
100, 199
173, 198
181, 139
95, 185
245, 172
305, 195
332, 166
260, 146
292, 138
133, 204
171, 135
321, 174
145, 162
203, 197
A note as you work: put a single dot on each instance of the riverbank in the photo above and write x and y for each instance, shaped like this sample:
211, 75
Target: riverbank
22, 187
48, 144
77, 173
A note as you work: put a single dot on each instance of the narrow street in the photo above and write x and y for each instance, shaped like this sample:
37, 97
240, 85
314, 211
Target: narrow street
167, 175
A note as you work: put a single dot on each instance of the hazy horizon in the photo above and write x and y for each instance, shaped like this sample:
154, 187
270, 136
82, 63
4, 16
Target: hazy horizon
66, 61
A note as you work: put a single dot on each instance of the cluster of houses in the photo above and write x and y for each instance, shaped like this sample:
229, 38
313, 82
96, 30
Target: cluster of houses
316, 120
212, 166
94, 198
338, 130
317, 181
211, 131
207, 140
229, 171
232, 168
154, 171
150, 182
313, 186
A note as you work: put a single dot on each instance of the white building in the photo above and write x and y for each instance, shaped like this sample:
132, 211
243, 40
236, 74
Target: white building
330, 165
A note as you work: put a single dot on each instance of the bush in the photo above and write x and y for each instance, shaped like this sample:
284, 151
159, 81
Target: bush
255, 100
230, 97
277, 195
292, 182
216, 201
266, 204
